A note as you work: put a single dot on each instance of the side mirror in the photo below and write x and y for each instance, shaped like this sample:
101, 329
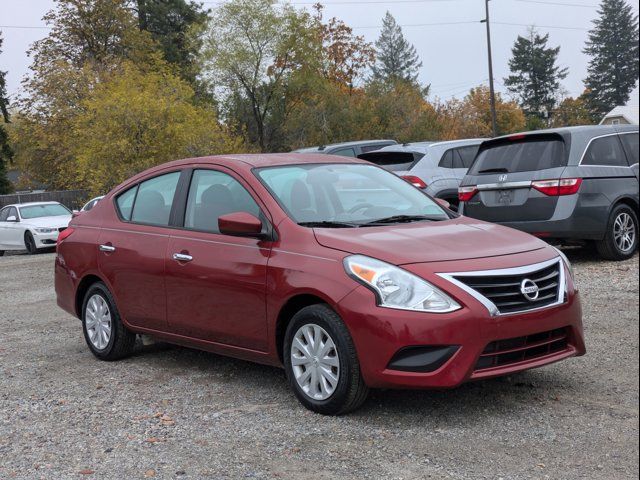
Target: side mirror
75, 213
240, 224
12, 218
443, 203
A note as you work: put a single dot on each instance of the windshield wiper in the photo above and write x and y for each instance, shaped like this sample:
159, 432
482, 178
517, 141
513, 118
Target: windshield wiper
495, 170
328, 224
403, 219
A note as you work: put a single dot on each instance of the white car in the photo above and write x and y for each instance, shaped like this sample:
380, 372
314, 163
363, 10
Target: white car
32, 226
91, 203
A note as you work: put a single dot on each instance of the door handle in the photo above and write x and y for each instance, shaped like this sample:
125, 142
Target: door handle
107, 248
182, 257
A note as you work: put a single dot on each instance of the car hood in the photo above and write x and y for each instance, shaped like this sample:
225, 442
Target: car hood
456, 239
59, 221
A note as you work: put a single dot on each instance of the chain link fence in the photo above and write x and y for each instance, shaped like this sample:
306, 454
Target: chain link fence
72, 199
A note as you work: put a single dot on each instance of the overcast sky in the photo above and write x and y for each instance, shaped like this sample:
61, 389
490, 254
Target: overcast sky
454, 55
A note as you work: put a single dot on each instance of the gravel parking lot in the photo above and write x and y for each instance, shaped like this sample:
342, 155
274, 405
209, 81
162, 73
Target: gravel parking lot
171, 412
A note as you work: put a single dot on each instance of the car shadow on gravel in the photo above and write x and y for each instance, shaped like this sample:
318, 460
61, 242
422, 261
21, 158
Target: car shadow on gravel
469, 403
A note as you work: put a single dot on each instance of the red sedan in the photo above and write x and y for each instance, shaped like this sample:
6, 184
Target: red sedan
338, 270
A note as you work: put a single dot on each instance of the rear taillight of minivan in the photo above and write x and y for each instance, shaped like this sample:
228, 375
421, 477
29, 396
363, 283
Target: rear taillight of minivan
558, 187
467, 193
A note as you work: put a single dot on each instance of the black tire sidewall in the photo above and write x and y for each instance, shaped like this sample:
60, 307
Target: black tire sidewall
116, 328
611, 236
326, 318
30, 243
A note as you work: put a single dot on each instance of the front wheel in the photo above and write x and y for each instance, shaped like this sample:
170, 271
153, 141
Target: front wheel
621, 238
30, 243
321, 362
104, 332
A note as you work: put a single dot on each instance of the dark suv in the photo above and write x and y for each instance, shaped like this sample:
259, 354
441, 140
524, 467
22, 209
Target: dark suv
577, 183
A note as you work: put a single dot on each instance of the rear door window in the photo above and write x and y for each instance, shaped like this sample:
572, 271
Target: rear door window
467, 155
525, 155
447, 159
606, 152
154, 200
125, 203
345, 152
630, 142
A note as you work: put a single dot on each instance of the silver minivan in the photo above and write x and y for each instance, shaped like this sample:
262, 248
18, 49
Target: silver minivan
565, 185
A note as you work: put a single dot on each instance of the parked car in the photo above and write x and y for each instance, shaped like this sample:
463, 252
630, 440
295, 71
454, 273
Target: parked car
348, 149
434, 167
568, 184
335, 268
31, 226
91, 203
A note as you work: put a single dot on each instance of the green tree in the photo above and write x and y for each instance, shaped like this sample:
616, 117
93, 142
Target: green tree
396, 58
253, 51
613, 47
535, 76
6, 152
134, 120
177, 26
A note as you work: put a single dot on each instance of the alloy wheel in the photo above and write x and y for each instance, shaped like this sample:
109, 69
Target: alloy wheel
98, 322
315, 362
624, 232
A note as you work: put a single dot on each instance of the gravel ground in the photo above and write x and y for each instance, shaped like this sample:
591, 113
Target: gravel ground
171, 412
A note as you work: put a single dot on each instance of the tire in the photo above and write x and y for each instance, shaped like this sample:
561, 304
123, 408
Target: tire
349, 391
30, 243
623, 218
120, 342
1, 253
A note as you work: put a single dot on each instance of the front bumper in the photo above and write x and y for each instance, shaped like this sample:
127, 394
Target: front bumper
380, 333
46, 240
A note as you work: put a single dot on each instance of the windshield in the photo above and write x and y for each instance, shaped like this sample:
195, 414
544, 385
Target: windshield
46, 210
531, 154
351, 194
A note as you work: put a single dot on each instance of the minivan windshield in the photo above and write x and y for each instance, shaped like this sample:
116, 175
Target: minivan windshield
44, 210
525, 155
347, 195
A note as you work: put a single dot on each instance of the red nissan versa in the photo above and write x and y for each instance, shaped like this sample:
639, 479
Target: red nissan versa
335, 268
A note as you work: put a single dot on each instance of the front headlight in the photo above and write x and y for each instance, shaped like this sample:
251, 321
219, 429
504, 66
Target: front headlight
46, 230
397, 288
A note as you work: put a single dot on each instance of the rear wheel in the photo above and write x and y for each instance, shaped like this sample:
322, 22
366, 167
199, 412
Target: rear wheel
1, 253
321, 362
104, 332
621, 238
30, 243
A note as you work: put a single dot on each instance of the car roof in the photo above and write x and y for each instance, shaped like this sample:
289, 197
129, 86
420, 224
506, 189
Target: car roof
424, 147
324, 148
30, 204
594, 130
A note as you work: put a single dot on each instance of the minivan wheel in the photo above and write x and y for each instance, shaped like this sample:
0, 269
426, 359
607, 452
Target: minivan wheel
321, 362
107, 337
621, 239
30, 243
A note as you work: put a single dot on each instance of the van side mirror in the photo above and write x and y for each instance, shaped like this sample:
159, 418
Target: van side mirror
240, 224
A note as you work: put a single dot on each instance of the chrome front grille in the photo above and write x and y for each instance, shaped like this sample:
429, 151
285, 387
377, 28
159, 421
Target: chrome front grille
515, 290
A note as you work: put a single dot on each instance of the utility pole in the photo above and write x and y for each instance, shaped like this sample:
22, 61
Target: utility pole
492, 92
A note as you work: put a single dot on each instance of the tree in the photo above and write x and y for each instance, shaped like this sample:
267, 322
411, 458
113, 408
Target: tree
252, 50
613, 46
177, 26
535, 76
572, 112
135, 120
471, 117
397, 59
6, 152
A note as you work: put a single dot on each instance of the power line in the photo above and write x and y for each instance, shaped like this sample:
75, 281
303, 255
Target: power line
561, 27
540, 2
24, 26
